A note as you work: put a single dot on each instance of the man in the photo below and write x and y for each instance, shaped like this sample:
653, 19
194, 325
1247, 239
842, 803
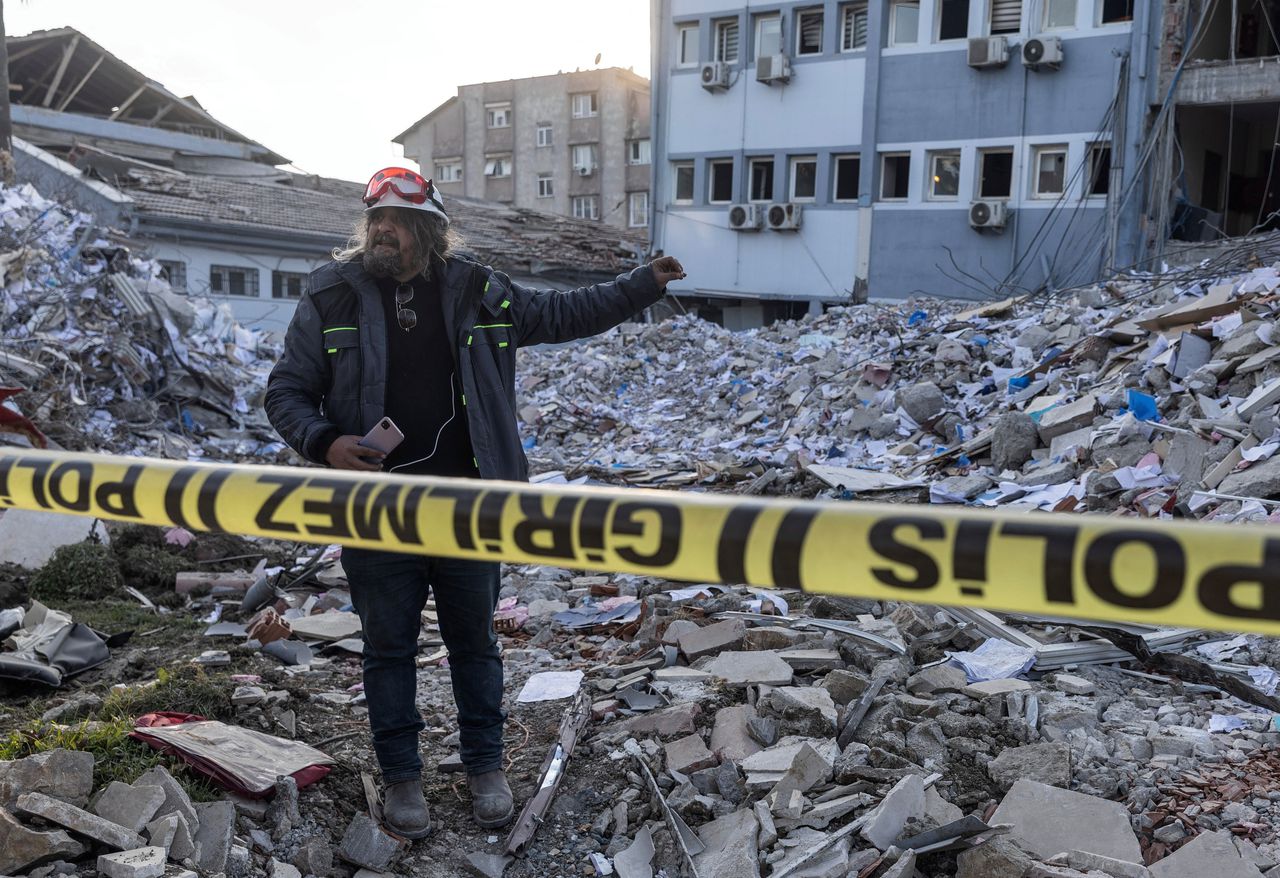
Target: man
398, 327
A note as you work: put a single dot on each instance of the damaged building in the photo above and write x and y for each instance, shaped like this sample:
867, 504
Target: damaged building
215, 208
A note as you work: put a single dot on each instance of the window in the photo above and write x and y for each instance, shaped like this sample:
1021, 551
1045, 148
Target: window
449, 171
545, 186
804, 178
768, 36
287, 284
727, 41
1049, 167
544, 135
720, 181
1059, 14
682, 177
584, 105
853, 27
995, 173
944, 176
1006, 17
848, 170
584, 157
497, 166
761, 179
586, 207
1099, 182
953, 19
1117, 11
809, 32
905, 22
231, 280
687, 45
639, 152
638, 209
498, 115
895, 176
175, 273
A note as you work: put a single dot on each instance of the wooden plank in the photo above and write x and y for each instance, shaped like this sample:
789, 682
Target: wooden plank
62, 105
62, 69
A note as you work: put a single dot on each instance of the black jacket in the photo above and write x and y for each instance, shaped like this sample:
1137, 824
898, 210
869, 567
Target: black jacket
330, 378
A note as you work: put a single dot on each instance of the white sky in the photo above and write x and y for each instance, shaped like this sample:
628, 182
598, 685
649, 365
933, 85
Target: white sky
327, 84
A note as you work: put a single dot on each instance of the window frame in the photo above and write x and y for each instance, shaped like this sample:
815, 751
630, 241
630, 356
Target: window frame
722, 25
676, 168
593, 200
681, 45
498, 106
937, 25
227, 270
541, 142
894, 6
548, 191
856, 158
758, 22
281, 280
990, 18
884, 160
593, 156
646, 154
1090, 181
503, 161
1100, 21
1039, 150
444, 164
1013, 177
752, 162
712, 165
170, 267
801, 15
592, 110
931, 167
792, 162
631, 209
1075, 14
848, 10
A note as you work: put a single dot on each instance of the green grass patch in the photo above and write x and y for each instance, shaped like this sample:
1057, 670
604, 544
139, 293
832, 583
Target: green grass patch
81, 570
181, 689
176, 630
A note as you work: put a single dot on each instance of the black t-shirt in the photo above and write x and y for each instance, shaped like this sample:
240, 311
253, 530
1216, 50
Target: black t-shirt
423, 393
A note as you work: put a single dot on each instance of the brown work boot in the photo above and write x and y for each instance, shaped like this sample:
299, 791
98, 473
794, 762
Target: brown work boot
491, 801
404, 809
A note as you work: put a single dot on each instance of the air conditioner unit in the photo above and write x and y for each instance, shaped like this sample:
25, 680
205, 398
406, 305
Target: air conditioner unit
584, 170
1040, 52
783, 217
745, 217
988, 214
715, 76
773, 68
988, 51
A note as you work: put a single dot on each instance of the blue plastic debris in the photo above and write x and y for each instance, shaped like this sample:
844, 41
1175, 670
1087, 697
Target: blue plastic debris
963, 460
1020, 382
1143, 406
917, 317
529, 442
981, 340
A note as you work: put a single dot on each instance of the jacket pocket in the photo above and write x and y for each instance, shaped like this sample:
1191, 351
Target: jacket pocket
342, 353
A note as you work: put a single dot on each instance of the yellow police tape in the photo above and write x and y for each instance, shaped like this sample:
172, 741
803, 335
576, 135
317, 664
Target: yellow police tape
1109, 569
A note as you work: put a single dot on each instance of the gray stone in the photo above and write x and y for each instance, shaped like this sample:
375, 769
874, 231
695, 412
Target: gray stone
1244, 342
1014, 439
239, 861
713, 639
282, 813
730, 740
1083, 861
772, 637
996, 687
666, 723
741, 669
830, 863
78, 706
1170, 833
1259, 480
927, 744
923, 402
175, 797
812, 659
997, 858
60, 774
1209, 853
213, 838
853, 757
938, 809
904, 868
277, 869
147, 862
768, 830
129, 806
367, 844
487, 865
1046, 763
173, 833
844, 685
78, 820
807, 770
902, 803
968, 487
937, 679
688, 754
1073, 685
1048, 820
314, 856
804, 710
730, 846
22, 847
677, 628
1187, 456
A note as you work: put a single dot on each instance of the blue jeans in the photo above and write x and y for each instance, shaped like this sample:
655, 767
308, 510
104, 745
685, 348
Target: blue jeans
389, 591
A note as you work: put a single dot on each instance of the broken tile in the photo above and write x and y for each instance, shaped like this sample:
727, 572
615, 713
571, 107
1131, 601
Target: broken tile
1048, 820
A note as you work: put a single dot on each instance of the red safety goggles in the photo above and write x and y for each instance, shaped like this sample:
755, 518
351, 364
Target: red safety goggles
409, 185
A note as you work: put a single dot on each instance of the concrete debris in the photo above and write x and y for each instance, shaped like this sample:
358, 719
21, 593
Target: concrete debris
79, 821
148, 862
367, 844
59, 774
22, 847
130, 806
1047, 820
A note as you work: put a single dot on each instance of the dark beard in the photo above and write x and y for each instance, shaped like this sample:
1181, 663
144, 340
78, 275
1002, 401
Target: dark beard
378, 265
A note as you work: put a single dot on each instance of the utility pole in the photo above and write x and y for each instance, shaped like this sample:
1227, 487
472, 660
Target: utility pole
6, 127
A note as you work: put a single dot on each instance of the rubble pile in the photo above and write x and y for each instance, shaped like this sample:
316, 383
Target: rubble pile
1141, 395
109, 358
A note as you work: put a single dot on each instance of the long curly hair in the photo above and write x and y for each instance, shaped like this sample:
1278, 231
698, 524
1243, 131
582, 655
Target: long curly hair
432, 237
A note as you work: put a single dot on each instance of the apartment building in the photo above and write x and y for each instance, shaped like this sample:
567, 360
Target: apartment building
816, 152
575, 144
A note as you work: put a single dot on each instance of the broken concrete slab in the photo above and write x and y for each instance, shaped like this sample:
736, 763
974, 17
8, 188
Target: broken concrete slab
277, 869
730, 739
367, 844
146, 862
808, 769
1067, 418
804, 710
130, 806
904, 868
1073, 685
1048, 820
712, 639
731, 846
741, 669
844, 685
812, 659
60, 774
688, 754
937, 680
22, 847
80, 821
996, 687
1045, 763
680, 674
773, 637
213, 838
636, 860
666, 723
486, 865
1083, 861
905, 801
998, 856
1209, 853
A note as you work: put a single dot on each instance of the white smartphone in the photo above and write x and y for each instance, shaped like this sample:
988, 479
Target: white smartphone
384, 436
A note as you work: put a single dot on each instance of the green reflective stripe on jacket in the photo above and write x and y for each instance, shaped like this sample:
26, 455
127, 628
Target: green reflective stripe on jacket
491, 325
340, 329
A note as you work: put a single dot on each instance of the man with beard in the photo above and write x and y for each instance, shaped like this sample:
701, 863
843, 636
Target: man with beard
399, 327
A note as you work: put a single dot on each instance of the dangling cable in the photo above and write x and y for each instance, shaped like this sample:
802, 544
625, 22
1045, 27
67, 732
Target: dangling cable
453, 402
